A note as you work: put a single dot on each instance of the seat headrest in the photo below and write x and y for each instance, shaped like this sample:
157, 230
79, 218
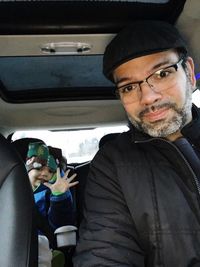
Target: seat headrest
21, 145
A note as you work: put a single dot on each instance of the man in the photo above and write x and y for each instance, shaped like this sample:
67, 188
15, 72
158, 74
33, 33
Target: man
142, 201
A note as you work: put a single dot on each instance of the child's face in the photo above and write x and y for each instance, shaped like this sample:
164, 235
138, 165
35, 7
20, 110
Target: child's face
33, 177
46, 174
39, 173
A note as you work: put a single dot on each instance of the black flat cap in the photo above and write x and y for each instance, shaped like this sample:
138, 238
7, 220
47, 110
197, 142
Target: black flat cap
141, 38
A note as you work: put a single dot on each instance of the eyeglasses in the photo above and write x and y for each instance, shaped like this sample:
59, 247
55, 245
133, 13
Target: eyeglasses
158, 81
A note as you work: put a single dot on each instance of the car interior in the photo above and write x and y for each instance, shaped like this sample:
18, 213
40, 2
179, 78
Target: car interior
51, 79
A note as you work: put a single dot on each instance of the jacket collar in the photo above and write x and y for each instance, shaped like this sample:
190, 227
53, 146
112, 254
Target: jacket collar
138, 136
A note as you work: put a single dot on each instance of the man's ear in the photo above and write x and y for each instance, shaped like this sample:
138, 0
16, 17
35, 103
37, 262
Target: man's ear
190, 72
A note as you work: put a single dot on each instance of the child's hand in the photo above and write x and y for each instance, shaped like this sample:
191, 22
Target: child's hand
62, 184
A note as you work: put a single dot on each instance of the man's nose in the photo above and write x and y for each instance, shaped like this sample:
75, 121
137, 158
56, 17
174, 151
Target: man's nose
148, 95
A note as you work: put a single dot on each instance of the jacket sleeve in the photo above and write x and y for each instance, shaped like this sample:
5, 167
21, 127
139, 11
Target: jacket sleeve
107, 234
61, 210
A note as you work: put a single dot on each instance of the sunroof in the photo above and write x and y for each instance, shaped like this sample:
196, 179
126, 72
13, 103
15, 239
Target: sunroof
44, 78
25, 73
28, 73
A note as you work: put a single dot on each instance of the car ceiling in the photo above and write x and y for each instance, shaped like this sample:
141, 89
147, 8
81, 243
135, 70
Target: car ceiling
51, 58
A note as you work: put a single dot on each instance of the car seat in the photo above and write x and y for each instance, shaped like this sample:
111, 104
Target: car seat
82, 173
18, 242
21, 145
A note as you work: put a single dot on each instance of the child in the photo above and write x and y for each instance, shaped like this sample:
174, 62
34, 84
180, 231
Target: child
51, 191
52, 197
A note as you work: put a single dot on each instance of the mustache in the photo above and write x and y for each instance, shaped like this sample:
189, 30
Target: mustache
155, 107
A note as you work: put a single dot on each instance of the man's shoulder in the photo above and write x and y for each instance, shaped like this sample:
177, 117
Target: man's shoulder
121, 146
117, 140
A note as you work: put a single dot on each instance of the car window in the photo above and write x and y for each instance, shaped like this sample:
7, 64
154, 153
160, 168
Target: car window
77, 145
196, 98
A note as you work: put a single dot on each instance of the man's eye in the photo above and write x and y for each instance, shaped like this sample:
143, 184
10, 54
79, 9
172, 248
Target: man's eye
127, 88
164, 73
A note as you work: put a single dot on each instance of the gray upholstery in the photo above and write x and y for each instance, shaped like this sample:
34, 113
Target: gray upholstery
18, 234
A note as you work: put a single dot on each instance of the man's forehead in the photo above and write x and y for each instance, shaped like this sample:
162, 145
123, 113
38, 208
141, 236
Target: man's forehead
145, 64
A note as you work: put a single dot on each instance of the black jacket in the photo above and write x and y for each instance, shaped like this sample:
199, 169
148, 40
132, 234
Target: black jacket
142, 204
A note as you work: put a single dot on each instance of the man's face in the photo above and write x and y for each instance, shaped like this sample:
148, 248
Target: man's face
163, 113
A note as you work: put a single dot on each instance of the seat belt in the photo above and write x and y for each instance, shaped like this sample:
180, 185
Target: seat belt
190, 154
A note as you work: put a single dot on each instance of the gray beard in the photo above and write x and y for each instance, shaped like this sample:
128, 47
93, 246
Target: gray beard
166, 127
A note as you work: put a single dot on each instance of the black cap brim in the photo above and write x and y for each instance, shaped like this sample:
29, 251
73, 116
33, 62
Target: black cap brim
141, 38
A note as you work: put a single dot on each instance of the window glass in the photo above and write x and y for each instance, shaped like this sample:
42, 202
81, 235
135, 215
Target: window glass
196, 98
45, 72
77, 146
